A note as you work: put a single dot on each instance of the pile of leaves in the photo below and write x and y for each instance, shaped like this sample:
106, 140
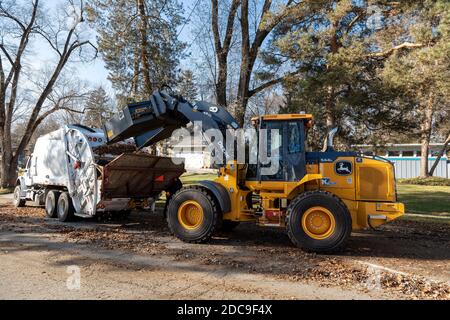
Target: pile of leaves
6, 190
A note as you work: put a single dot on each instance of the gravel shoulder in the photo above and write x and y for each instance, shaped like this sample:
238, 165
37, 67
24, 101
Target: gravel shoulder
137, 258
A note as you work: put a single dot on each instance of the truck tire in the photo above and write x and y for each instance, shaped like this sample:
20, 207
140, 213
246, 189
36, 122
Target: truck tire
193, 215
51, 202
18, 202
318, 221
65, 208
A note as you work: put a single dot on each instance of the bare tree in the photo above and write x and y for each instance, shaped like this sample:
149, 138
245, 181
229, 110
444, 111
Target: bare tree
222, 47
64, 35
257, 20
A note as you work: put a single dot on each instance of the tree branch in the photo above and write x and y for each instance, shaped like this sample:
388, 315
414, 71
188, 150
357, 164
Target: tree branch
270, 83
387, 53
230, 25
215, 24
4, 13
8, 56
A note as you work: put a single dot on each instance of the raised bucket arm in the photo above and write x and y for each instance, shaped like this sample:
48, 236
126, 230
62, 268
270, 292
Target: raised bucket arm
154, 120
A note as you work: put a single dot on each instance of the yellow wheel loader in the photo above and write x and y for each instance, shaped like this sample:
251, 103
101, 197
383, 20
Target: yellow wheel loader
318, 197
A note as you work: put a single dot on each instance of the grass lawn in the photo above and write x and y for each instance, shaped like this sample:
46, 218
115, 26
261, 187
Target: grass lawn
425, 200
190, 178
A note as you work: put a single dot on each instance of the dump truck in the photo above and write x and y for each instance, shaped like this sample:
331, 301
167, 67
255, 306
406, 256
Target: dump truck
72, 172
317, 197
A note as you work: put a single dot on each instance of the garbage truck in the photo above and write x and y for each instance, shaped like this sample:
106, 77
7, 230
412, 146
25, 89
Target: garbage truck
72, 172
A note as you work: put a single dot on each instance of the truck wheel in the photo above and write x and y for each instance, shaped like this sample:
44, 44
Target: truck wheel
65, 208
228, 225
193, 215
51, 201
18, 202
318, 221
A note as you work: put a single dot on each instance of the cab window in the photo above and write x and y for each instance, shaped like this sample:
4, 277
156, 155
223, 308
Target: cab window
294, 141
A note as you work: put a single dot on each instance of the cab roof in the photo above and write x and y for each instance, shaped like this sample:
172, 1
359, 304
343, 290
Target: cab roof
291, 116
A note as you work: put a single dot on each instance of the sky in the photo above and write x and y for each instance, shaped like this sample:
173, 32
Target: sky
94, 72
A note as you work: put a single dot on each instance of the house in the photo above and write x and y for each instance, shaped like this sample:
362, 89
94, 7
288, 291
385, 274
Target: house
406, 158
197, 156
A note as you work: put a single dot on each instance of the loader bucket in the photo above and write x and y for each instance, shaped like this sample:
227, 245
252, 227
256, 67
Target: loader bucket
139, 176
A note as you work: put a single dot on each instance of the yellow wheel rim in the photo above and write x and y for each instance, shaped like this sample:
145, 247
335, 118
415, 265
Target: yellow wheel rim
318, 223
190, 214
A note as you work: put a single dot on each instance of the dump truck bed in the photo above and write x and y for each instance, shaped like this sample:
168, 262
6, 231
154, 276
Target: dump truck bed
138, 176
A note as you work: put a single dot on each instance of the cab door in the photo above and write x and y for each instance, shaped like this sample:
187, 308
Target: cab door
281, 142
295, 167
28, 178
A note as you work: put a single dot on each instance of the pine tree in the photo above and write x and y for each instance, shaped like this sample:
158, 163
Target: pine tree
139, 44
337, 56
98, 108
186, 85
422, 73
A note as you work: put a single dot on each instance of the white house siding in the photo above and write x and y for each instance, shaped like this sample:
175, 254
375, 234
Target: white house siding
194, 160
410, 167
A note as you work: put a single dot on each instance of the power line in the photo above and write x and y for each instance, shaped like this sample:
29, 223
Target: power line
189, 17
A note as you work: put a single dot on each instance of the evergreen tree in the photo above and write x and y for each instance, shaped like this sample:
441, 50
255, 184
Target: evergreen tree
187, 86
139, 44
98, 108
336, 56
422, 74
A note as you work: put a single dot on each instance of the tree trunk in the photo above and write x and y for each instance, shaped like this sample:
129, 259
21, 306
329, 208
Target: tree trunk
221, 83
440, 155
330, 108
330, 112
243, 91
144, 45
246, 67
222, 49
426, 128
8, 169
135, 82
425, 148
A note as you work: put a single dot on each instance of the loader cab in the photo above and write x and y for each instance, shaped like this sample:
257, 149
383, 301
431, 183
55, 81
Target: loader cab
281, 147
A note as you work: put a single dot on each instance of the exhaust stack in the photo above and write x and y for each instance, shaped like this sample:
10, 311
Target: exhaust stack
328, 145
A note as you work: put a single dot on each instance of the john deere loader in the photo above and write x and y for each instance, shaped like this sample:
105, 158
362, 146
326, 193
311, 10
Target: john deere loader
318, 197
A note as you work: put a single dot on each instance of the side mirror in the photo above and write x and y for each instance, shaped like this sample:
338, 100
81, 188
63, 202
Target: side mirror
328, 143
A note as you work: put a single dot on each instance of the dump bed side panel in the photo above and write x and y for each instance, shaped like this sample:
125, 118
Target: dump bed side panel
139, 176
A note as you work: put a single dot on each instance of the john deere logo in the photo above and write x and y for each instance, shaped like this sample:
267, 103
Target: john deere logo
343, 168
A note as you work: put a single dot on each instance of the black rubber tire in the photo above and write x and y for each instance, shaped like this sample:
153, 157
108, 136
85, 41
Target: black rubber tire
65, 208
51, 202
228, 225
17, 201
303, 202
212, 215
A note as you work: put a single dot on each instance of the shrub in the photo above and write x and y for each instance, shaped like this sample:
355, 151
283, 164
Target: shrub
431, 181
